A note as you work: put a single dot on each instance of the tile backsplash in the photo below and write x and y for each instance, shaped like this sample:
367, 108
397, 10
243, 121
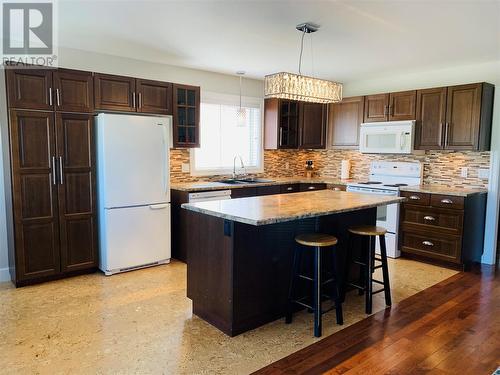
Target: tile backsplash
440, 167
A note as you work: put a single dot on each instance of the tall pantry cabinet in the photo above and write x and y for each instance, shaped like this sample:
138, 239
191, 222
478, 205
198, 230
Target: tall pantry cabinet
52, 173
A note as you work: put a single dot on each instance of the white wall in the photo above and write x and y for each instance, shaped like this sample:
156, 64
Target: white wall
77, 59
209, 81
485, 72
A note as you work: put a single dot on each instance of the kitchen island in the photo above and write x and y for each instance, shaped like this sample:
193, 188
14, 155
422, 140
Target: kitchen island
240, 250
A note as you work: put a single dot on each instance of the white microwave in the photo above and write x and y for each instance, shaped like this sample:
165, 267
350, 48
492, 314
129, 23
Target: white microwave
392, 137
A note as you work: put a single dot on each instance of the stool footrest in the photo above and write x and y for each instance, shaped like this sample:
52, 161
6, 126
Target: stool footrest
378, 282
378, 291
304, 277
356, 286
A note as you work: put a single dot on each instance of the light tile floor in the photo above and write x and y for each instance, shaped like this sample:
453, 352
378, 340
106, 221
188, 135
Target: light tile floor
141, 322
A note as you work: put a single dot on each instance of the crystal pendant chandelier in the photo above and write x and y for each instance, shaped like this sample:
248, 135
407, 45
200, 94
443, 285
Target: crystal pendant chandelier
241, 112
299, 87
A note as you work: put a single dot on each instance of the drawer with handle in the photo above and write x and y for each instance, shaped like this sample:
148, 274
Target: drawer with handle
447, 201
432, 245
422, 199
312, 187
289, 188
450, 221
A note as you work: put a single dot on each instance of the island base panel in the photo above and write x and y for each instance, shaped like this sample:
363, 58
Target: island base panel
238, 274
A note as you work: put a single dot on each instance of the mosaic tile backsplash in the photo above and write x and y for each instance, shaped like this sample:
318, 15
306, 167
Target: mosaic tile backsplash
440, 167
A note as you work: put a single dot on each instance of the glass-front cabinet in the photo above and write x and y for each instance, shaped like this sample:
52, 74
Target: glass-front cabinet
288, 130
186, 130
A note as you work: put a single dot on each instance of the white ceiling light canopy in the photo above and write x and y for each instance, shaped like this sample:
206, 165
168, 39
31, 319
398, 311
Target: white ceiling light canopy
298, 87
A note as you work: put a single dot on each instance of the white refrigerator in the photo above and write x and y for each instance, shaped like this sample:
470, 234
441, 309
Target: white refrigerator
133, 191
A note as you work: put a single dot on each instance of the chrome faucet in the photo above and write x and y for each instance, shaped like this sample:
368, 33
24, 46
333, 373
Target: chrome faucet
242, 166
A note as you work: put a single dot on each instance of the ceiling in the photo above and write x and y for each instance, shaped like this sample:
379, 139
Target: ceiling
357, 39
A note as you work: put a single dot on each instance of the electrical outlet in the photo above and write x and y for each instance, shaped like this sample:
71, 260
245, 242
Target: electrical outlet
463, 172
287, 165
185, 168
483, 173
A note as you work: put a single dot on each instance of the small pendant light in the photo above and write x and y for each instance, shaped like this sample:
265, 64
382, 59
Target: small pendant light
241, 112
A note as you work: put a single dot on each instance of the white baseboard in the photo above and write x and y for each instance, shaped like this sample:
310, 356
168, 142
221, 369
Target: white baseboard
4, 274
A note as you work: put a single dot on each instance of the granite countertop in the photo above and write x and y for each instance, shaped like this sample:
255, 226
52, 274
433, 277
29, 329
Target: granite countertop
271, 209
460, 191
212, 185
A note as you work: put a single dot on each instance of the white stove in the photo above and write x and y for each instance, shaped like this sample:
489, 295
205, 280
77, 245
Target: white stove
385, 179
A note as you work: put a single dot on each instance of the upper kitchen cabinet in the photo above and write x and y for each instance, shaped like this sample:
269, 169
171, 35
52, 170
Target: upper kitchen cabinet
469, 112
154, 97
376, 108
395, 106
402, 105
344, 119
281, 122
431, 118
312, 126
74, 91
454, 118
186, 113
30, 88
114, 93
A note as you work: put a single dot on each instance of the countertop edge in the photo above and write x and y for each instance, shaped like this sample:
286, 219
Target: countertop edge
444, 190
275, 220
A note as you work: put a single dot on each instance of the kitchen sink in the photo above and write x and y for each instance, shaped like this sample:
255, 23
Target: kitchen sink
236, 181
253, 180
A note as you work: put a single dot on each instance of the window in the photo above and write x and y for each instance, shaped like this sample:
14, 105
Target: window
223, 136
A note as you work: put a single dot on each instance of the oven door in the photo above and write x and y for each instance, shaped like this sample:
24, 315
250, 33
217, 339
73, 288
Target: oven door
387, 217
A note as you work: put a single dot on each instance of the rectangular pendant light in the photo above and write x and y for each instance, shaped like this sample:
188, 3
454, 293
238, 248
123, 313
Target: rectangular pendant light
301, 88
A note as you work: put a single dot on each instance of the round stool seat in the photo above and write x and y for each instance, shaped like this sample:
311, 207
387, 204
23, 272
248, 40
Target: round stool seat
316, 239
368, 230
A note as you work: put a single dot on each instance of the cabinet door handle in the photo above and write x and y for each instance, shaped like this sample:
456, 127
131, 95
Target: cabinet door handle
61, 179
133, 99
446, 201
289, 188
337, 189
54, 182
446, 130
390, 110
58, 97
414, 197
50, 95
311, 188
281, 137
386, 110
427, 243
429, 218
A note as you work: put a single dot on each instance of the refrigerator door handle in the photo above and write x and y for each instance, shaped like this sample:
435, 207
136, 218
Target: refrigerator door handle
166, 167
158, 206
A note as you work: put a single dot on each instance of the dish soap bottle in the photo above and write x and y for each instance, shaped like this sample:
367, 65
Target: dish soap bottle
309, 168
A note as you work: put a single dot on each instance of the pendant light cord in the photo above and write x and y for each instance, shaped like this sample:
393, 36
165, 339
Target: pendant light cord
301, 49
240, 91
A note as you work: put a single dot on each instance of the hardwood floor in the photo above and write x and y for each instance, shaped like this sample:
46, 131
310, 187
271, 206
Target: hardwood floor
450, 328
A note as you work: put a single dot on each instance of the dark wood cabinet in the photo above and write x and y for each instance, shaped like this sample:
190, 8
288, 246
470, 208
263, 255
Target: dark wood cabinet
431, 118
281, 124
74, 91
186, 113
395, 106
53, 175
344, 120
34, 184
76, 191
443, 229
312, 126
154, 97
114, 93
468, 117
402, 105
376, 108
454, 118
30, 88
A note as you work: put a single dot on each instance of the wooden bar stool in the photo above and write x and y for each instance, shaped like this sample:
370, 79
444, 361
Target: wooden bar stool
318, 241
368, 265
